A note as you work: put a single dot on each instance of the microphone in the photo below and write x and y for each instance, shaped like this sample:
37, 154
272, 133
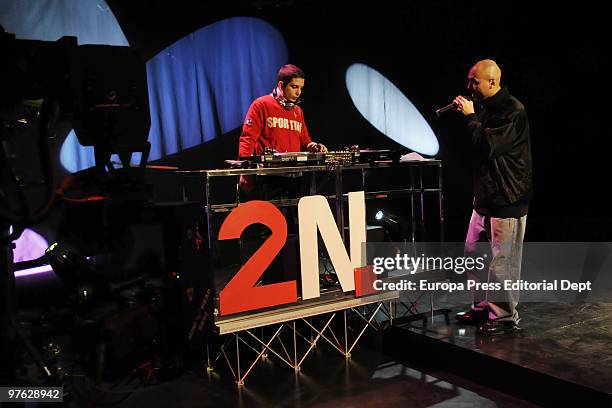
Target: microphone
446, 108
450, 106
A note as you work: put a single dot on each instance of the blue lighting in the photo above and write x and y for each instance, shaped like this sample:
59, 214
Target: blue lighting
75, 157
389, 110
90, 21
379, 215
202, 86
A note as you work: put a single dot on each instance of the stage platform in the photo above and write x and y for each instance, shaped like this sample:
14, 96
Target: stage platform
562, 356
335, 302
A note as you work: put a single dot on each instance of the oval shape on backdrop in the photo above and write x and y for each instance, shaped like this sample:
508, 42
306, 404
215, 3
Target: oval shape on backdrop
389, 110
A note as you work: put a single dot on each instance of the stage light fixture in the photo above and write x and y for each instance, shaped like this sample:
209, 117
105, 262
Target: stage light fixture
396, 227
67, 263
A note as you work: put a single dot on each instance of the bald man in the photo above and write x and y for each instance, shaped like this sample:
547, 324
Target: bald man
499, 131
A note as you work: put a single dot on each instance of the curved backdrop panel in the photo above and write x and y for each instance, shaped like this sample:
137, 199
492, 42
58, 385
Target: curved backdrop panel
201, 86
90, 21
75, 157
389, 110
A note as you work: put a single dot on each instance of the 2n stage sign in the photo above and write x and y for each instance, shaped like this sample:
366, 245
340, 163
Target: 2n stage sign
314, 214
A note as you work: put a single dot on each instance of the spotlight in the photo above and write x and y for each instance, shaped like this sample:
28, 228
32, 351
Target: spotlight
396, 227
84, 280
67, 263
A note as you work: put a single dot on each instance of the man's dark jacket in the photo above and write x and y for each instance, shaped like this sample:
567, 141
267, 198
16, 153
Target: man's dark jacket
502, 156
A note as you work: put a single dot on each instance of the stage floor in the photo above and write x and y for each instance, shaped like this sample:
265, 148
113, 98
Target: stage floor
370, 378
561, 355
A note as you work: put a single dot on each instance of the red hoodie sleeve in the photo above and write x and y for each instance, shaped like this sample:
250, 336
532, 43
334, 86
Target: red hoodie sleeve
251, 130
304, 135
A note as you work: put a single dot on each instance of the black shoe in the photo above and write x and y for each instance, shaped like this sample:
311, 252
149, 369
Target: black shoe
497, 327
474, 317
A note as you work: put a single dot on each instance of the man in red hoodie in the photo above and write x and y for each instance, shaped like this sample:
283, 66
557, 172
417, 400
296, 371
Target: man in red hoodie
276, 121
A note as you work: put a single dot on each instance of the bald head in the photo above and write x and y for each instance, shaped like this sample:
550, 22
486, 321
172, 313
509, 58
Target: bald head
489, 69
484, 79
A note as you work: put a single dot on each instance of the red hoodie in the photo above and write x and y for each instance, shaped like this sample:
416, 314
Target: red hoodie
268, 124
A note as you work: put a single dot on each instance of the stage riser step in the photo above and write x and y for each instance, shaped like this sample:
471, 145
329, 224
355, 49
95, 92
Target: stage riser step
410, 346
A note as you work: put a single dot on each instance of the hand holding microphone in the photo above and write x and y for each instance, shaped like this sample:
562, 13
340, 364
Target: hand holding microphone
461, 104
464, 105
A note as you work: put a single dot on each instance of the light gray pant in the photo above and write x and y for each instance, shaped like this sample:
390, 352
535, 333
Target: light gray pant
505, 236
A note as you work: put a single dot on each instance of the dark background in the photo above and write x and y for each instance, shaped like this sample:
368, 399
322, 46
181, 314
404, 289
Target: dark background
551, 55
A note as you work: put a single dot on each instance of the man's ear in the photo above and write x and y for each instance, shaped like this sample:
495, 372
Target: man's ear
491, 83
280, 85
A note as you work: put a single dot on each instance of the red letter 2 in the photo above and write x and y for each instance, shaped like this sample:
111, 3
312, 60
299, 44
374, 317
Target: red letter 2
241, 294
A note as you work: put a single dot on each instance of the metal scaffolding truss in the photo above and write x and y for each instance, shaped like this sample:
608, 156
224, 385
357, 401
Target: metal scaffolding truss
293, 340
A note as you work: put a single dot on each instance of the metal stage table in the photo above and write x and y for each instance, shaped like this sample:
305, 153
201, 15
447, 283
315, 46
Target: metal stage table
248, 329
415, 187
